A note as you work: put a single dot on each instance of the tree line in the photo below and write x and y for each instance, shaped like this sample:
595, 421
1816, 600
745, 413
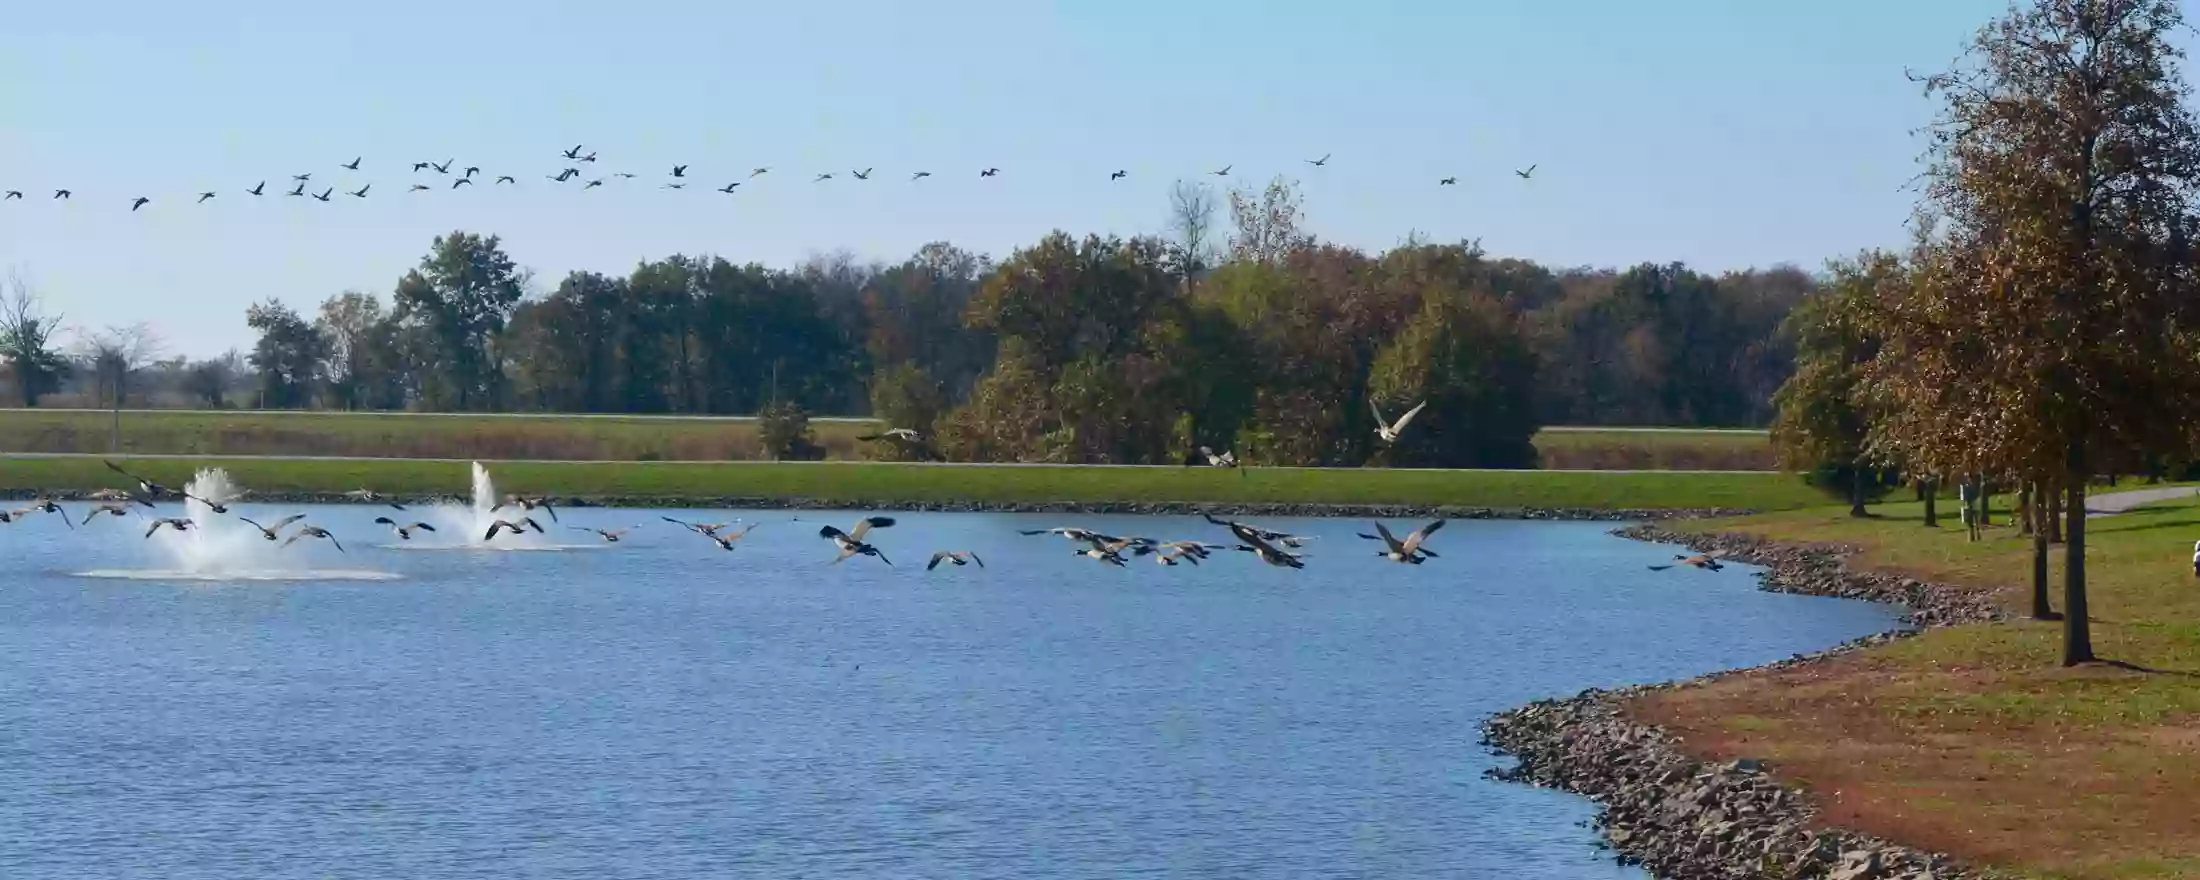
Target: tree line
1237, 330
2044, 325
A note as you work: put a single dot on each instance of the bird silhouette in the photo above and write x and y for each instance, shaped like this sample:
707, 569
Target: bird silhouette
1119, 175
1448, 181
865, 174
418, 187
989, 172
204, 196
920, 175
463, 181
301, 190
567, 174
13, 194
1524, 175
362, 193
258, 190
826, 176
422, 166
758, 171
679, 170
575, 152
1324, 160
728, 188
624, 175
444, 168
1225, 172
62, 193
302, 177
324, 194
472, 170
353, 165
593, 184
675, 186
506, 178
591, 157
139, 203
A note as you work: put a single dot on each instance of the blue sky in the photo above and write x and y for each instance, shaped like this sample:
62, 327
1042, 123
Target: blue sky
1723, 133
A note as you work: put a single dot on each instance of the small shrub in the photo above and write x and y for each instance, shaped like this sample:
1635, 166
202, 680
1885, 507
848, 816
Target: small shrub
785, 430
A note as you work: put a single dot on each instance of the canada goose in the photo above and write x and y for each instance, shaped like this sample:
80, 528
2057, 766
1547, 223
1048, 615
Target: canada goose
679, 171
728, 188
148, 491
1409, 550
372, 497
1524, 175
1705, 561
990, 172
1096, 552
1218, 459
404, 533
727, 540
1448, 181
959, 557
590, 157
865, 174
444, 168
517, 528
593, 184
624, 175
298, 191
259, 189
567, 174
63, 193
353, 165
1172, 556
575, 152
139, 202
8, 516
269, 531
323, 195
1225, 172
826, 176
301, 178
422, 166
43, 504
204, 196
314, 532
174, 522
757, 171
1200, 549
107, 495
1267, 552
1285, 538
111, 508
14, 194
905, 438
463, 181
920, 175
361, 192
706, 529
851, 541
1116, 546
506, 178
610, 536
1324, 160
419, 187
472, 170
1071, 532
527, 504
1119, 175
675, 186
1389, 431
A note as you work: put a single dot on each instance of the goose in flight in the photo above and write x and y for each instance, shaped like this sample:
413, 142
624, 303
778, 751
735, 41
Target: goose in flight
1100, 552
1218, 459
610, 536
108, 495
301, 178
463, 181
624, 175
1224, 171
517, 528
8, 516
174, 522
472, 170
679, 171
110, 508
270, 531
705, 529
13, 194
575, 152
675, 186
1119, 175
1200, 549
727, 540
958, 557
444, 168
1448, 181
527, 504
204, 196
990, 172
728, 188
147, 490
826, 176
63, 193
139, 202
419, 187
1409, 550
1285, 538
298, 191
506, 178
43, 504
1171, 557
593, 184
323, 195
1266, 551
590, 157
851, 541
372, 497
1389, 431
311, 531
1705, 561
865, 174
217, 505
404, 533
567, 174
905, 438
362, 193
756, 171
353, 165
920, 175
422, 166
1524, 175
258, 189
1324, 160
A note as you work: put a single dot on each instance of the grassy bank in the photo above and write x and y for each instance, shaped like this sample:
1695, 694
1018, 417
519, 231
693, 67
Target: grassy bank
851, 481
617, 438
1973, 740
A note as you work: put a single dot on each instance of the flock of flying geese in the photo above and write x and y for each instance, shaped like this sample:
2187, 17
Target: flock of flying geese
1268, 545
913, 441
570, 172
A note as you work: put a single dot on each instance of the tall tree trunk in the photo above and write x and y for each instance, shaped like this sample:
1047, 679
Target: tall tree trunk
2028, 498
1856, 488
1932, 514
2042, 608
1985, 504
2077, 632
2053, 520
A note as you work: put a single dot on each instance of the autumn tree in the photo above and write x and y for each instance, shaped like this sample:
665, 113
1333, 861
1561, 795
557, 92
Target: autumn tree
1191, 227
114, 356
1822, 411
1268, 222
288, 355
2053, 326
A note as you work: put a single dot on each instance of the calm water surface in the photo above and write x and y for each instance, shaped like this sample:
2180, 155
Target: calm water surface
662, 709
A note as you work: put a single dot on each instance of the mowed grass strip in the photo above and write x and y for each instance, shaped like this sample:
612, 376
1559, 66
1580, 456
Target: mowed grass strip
1973, 740
876, 482
617, 438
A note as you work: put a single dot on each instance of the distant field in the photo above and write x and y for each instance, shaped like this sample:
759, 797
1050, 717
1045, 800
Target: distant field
673, 438
871, 482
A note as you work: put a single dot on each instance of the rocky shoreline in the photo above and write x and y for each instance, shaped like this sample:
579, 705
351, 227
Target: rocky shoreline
1692, 820
1159, 508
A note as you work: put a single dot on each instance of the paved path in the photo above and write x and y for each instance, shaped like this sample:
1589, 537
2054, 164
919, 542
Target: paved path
2112, 503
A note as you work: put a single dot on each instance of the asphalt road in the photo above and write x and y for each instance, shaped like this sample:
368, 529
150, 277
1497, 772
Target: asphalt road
2112, 503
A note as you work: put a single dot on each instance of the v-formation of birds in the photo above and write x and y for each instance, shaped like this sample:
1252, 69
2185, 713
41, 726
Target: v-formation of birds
576, 157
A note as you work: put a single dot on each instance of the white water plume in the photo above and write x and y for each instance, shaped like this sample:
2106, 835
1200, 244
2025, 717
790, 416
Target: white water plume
222, 547
466, 526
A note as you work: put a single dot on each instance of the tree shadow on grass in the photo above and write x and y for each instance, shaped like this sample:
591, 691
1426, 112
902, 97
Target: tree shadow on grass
2134, 667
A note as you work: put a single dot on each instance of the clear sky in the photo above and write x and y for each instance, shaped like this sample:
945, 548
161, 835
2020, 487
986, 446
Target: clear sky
1722, 133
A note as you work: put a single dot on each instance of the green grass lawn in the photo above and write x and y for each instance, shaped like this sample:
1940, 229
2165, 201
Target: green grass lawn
1973, 739
616, 438
853, 481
